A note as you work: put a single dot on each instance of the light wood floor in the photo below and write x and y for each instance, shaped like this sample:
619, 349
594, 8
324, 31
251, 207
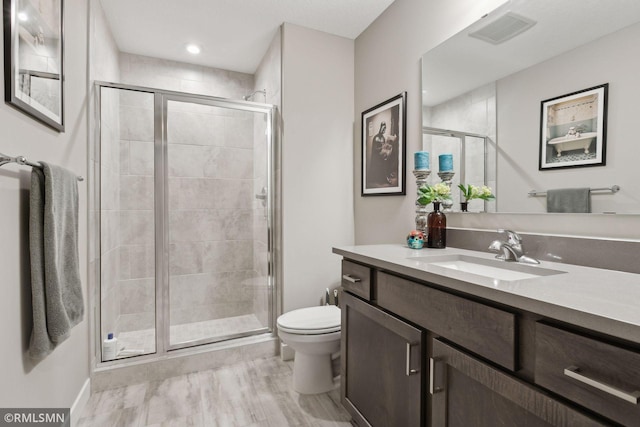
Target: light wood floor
248, 394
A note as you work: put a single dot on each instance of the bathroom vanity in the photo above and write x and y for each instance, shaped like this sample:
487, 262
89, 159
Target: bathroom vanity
454, 337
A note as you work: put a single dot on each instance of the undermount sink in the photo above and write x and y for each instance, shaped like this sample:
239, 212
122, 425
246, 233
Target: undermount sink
491, 268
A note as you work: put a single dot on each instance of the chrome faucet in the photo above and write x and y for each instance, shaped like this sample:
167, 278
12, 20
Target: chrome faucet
511, 250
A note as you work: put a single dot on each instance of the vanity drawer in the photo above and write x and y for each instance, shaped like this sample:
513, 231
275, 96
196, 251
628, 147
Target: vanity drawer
481, 329
599, 376
356, 278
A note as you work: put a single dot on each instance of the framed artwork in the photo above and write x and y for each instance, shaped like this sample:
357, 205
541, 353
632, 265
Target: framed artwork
33, 59
573, 129
383, 148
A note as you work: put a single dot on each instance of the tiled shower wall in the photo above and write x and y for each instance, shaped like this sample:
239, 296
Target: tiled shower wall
126, 211
136, 281
109, 212
210, 156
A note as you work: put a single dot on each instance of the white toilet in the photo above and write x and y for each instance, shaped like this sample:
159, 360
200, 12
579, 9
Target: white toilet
314, 334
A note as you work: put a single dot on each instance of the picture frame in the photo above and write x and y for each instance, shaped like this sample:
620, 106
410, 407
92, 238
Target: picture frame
384, 148
34, 59
573, 129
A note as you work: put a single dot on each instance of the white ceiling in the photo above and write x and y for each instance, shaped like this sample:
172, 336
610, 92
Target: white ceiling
233, 34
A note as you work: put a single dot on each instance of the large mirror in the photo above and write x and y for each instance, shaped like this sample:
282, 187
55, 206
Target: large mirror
33, 59
492, 78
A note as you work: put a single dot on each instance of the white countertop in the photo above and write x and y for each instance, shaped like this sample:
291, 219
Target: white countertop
606, 301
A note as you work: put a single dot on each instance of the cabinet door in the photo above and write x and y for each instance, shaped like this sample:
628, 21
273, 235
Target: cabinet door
381, 366
467, 392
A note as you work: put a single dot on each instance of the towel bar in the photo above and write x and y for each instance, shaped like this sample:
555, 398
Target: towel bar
613, 189
21, 160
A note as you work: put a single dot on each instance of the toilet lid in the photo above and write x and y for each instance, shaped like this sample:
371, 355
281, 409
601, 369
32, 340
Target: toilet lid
311, 320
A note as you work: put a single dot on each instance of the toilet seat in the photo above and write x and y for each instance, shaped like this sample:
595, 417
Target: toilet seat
311, 320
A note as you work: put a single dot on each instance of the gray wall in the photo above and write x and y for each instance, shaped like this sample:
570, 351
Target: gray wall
317, 158
268, 77
58, 379
519, 95
401, 35
387, 63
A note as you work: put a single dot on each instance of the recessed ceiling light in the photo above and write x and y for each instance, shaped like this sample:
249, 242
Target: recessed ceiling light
193, 48
22, 16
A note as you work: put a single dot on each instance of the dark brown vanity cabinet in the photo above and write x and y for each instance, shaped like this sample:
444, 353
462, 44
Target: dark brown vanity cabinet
468, 392
356, 279
381, 366
418, 354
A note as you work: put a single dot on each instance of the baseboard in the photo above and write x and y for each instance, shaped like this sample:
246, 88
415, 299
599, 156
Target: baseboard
81, 401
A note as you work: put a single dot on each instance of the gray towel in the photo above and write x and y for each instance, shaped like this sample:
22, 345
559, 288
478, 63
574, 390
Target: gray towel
569, 200
56, 290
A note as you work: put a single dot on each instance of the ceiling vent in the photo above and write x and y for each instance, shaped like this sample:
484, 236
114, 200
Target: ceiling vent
503, 28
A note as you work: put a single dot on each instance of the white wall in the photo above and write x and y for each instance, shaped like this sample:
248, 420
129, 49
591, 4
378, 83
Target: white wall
388, 62
317, 159
58, 379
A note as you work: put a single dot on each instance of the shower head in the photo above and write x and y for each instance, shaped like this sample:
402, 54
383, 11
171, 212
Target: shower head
248, 97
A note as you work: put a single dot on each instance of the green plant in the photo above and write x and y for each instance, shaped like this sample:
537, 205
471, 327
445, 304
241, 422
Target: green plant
470, 192
435, 193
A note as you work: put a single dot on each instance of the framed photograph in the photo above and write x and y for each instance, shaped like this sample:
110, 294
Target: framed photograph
33, 59
383, 148
573, 130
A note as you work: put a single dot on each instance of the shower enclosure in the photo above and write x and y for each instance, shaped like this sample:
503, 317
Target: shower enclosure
186, 219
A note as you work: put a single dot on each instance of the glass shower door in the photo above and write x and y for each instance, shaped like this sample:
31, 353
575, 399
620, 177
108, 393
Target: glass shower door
216, 220
127, 225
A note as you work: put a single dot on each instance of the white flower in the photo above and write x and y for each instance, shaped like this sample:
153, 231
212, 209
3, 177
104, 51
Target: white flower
486, 191
441, 189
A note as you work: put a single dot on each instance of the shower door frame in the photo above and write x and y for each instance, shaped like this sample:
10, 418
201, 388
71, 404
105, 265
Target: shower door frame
161, 215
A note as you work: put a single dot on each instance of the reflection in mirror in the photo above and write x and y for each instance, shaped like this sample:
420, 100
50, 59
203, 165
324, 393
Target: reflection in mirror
33, 59
496, 90
473, 158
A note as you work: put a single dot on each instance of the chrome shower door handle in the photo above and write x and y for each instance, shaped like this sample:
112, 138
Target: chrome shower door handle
262, 196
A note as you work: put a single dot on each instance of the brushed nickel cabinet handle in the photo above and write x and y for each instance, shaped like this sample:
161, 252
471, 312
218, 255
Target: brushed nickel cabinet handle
573, 372
409, 371
348, 278
432, 374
